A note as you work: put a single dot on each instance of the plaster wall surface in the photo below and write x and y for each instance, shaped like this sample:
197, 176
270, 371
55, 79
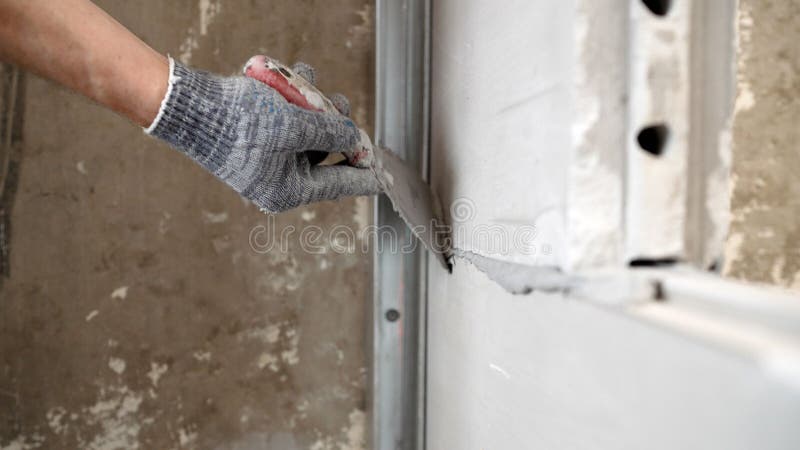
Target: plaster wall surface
501, 130
136, 314
764, 240
549, 170
545, 370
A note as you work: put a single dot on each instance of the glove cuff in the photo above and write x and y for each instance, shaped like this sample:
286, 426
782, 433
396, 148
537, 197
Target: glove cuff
171, 81
193, 117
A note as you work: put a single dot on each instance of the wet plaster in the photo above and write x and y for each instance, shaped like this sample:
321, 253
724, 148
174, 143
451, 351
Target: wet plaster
136, 314
764, 240
517, 278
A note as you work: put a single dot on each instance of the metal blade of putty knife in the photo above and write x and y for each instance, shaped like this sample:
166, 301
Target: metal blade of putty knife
411, 197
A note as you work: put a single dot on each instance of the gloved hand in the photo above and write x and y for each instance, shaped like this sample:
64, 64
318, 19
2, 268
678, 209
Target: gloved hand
250, 137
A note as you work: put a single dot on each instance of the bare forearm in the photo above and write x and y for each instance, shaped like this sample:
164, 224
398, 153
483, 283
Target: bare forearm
78, 45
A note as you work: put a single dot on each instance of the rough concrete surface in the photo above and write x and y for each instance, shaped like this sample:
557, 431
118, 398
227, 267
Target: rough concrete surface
136, 314
764, 241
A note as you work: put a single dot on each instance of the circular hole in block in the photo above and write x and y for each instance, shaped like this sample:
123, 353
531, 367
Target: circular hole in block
653, 139
392, 315
658, 7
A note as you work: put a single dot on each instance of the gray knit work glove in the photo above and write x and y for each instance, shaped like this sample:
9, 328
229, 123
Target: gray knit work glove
250, 137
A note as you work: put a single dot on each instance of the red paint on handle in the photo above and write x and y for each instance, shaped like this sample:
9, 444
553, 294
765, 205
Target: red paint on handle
256, 68
276, 80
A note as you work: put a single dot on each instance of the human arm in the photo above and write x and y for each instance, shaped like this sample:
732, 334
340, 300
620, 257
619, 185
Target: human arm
78, 45
242, 131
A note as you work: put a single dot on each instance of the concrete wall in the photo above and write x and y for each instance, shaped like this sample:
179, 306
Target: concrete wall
135, 314
764, 241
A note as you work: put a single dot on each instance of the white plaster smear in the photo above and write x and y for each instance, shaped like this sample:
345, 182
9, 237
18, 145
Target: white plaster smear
268, 360
290, 356
200, 355
284, 274
113, 418
353, 436
186, 436
733, 247
116, 415
33, 441
718, 197
268, 334
55, 421
361, 215
211, 217
361, 32
117, 365
156, 372
208, 11
120, 293
745, 99
308, 215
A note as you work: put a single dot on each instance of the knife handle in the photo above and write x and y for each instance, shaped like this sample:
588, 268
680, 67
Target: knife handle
298, 91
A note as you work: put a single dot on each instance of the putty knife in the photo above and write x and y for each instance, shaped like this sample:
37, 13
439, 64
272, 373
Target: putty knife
411, 197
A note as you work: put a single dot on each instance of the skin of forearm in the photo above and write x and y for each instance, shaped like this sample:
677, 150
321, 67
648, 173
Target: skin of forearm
78, 45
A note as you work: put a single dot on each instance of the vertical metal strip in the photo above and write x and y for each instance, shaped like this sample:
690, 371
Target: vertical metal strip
712, 91
397, 334
678, 154
658, 122
422, 345
8, 126
9, 133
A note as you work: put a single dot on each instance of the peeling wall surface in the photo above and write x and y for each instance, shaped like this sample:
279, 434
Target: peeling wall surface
764, 241
137, 314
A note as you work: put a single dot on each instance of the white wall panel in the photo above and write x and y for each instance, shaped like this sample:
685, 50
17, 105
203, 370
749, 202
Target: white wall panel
531, 126
501, 115
547, 372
